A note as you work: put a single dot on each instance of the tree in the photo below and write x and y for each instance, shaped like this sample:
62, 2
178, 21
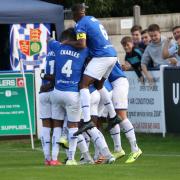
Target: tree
119, 8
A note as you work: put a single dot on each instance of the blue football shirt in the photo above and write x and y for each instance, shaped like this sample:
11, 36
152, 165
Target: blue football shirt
49, 66
108, 85
116, 73
69, 66
96, 36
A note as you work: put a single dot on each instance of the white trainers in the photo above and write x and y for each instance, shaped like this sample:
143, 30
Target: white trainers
103, 160
111, 160
86, 161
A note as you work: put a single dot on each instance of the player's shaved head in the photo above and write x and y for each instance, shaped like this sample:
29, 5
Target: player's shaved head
78, 8
78, 11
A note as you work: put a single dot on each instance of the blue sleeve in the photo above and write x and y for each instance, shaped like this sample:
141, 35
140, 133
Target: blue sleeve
53, 45
80, 28
173, 49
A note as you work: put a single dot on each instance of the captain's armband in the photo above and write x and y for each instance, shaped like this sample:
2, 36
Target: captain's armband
81, 36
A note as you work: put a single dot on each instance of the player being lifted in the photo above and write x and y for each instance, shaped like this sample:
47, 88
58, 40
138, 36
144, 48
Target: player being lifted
91, 33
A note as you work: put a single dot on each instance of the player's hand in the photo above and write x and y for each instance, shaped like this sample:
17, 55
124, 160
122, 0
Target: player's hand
125, 67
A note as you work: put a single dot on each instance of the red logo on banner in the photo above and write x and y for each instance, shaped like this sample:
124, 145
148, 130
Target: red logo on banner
25, 47
35, 35
20, 82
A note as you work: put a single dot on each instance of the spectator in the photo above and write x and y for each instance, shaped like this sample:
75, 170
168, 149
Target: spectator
133, 57
174, 50
136, 36
145, 37
146, 40
154, 51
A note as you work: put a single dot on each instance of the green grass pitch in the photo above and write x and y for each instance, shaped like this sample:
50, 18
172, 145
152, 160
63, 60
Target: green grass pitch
160, 161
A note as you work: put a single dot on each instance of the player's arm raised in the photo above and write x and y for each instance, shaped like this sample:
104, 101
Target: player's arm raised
80, 43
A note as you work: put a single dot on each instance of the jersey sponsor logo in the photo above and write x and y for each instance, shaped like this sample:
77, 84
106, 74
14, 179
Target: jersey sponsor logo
81, 36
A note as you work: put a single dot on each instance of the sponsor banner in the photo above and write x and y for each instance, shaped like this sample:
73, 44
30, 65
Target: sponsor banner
13, 107
145, 109
172, 99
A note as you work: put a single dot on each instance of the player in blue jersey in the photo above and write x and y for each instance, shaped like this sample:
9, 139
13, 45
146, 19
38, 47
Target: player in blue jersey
91, 33
120, 86
46, 89
69, 64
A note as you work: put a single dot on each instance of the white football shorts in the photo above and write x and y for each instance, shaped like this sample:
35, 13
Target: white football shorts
45, 105
100, 67
120, 93
66, 103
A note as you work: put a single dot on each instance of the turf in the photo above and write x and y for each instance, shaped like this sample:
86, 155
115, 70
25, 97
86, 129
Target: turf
160, 160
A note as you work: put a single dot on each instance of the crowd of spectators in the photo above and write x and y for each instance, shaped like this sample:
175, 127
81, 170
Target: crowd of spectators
147, 49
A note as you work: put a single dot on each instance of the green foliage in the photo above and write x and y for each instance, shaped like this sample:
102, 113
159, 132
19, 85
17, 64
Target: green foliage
119, 8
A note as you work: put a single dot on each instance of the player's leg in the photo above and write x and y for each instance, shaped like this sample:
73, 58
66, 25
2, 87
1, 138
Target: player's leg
115, 133
64, 135
100, 145
120, 90
45, 139
58, 114
107, 101
57, 129
45, 115
105, 98
95, 99
63, 142
130, 135
95, 135
82, 145
99, 142
95, 70
72, 105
